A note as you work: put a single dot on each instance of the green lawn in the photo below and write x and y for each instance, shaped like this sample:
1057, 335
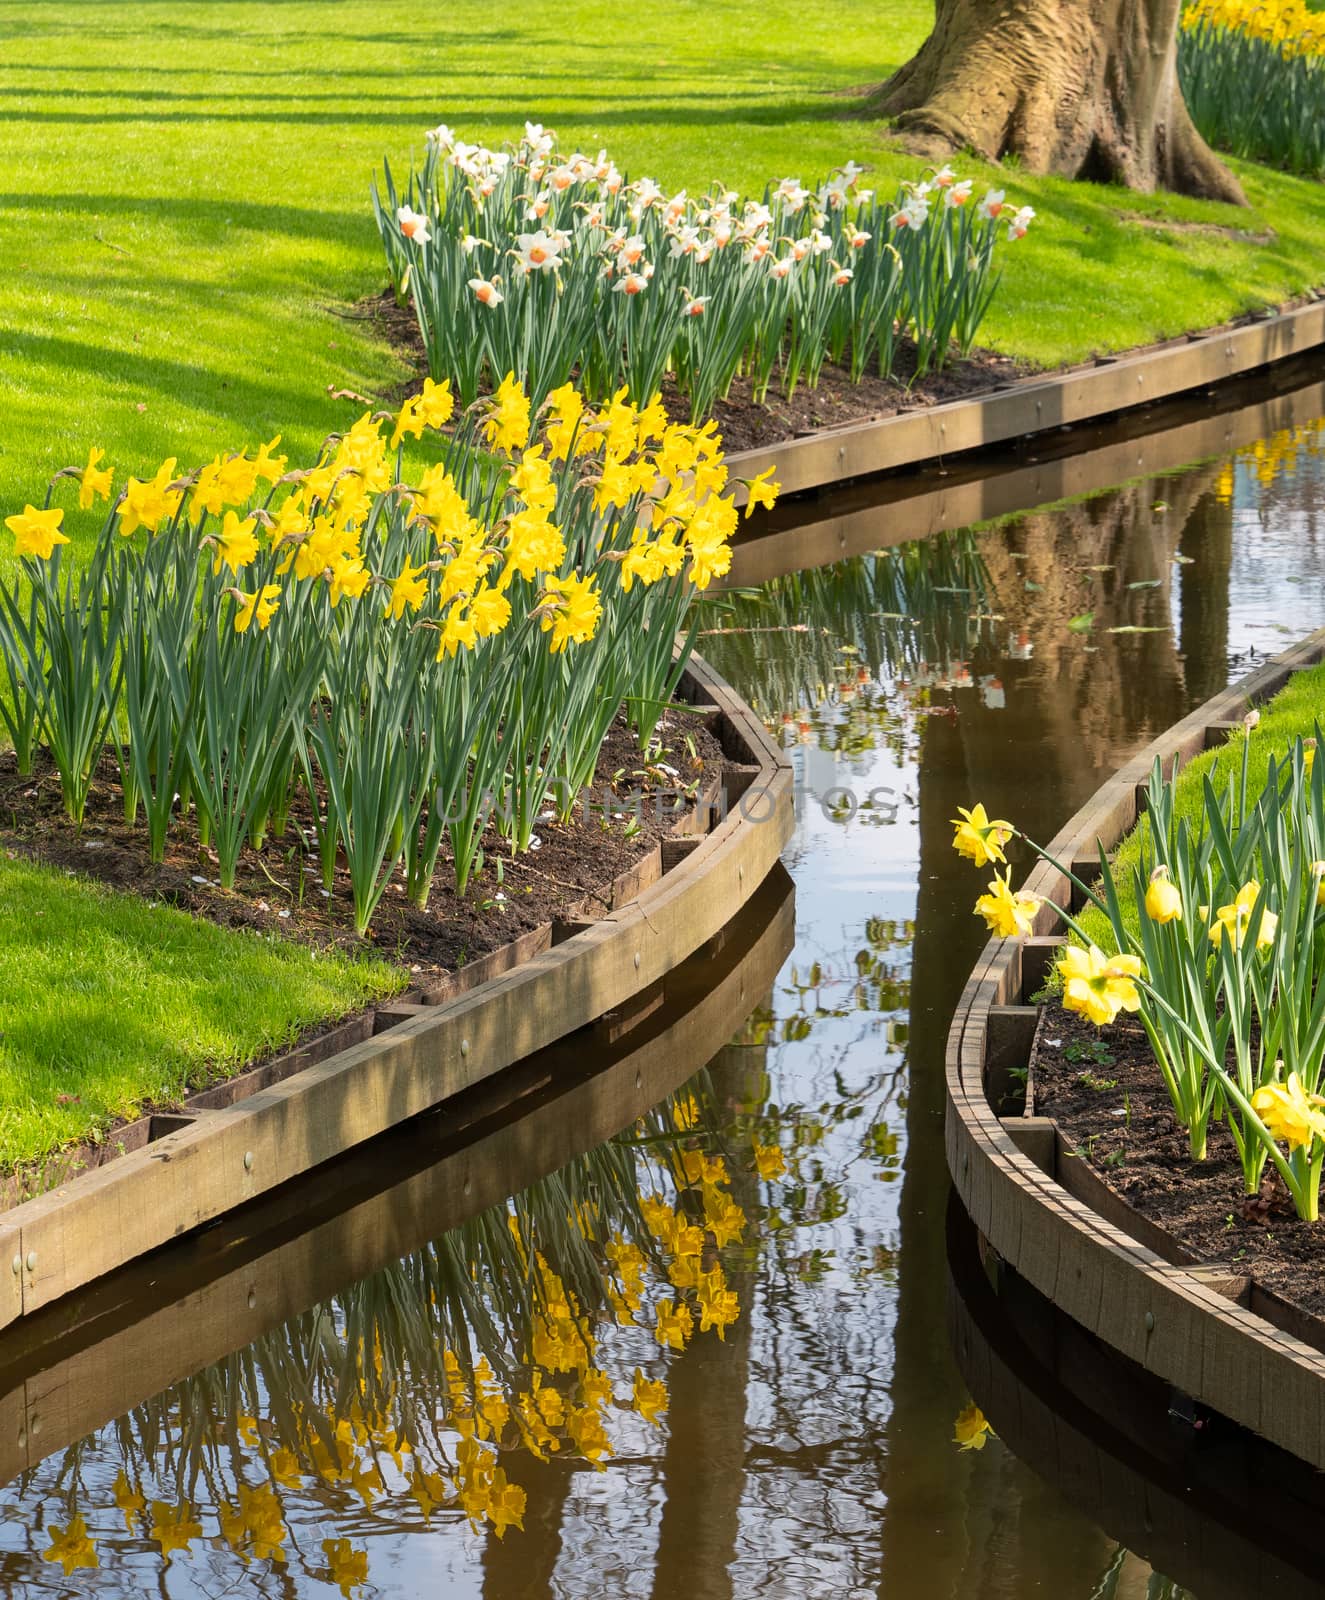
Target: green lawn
107, 1002
1293, 713
185, 192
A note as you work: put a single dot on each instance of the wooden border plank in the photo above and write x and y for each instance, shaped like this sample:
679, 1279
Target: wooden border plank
1034, 405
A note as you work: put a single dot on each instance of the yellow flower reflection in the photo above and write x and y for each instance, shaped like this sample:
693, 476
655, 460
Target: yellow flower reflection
972, 1430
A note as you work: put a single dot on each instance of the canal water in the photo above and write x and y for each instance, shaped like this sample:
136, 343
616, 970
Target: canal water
668, 1317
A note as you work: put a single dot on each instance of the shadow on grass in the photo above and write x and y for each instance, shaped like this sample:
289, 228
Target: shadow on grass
757, 114
182, 382
300, 221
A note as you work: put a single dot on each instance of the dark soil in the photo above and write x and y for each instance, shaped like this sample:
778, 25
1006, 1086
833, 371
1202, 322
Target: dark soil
747, 426
279, 888
1104, 1090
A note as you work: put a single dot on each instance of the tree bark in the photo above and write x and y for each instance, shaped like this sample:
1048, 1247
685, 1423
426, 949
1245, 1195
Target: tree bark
1083, 88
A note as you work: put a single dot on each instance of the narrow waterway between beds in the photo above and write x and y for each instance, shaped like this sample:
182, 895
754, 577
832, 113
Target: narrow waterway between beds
774, 1417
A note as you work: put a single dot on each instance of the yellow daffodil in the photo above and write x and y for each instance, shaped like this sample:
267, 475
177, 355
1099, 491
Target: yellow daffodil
490, 611
565, 407
972, 1429
37, 533
978, 837
71, 1547
407, 422
762, 492
94, 480
533, 545
710, 557
641, 561
574, 619
436, 405
1233, 919
1290, 1112
347, 576
457, 631
236, 545
1008, 915
267, 466
507, 427
262, 605
1099, 986
409, 589
1163, 901
1318, 877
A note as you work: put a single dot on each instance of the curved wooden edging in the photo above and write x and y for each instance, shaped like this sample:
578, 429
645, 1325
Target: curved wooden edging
878, 516
1227, 1523
1177, 1322
222, 1158
1035, 405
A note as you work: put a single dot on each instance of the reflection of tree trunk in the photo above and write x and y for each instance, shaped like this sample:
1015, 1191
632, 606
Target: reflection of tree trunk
704, 1464
926, 1483
1207, 542
958, 1520
1084, 701
1087, 88
520, 1566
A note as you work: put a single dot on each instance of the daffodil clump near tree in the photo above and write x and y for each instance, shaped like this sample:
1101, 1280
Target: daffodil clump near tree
1210, 927
545, 262
415, 655
1253, 76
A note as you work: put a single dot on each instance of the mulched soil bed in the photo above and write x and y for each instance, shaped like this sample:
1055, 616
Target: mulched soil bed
1104, 1090
279, 888
747, 426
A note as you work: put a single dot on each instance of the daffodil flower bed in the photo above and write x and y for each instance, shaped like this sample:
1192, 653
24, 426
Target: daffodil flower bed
1253, 76
1209, 927
413, 655
546, 263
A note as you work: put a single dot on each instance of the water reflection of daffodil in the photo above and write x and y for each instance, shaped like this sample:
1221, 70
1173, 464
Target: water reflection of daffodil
71, 1547
972, 1429
174, 1527
769, 1161
348, 1567
128, 1499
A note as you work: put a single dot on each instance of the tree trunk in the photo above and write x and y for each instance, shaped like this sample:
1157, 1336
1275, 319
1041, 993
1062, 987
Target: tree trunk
1084, 88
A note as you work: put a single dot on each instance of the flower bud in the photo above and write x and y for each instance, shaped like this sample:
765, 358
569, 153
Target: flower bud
1163, 902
